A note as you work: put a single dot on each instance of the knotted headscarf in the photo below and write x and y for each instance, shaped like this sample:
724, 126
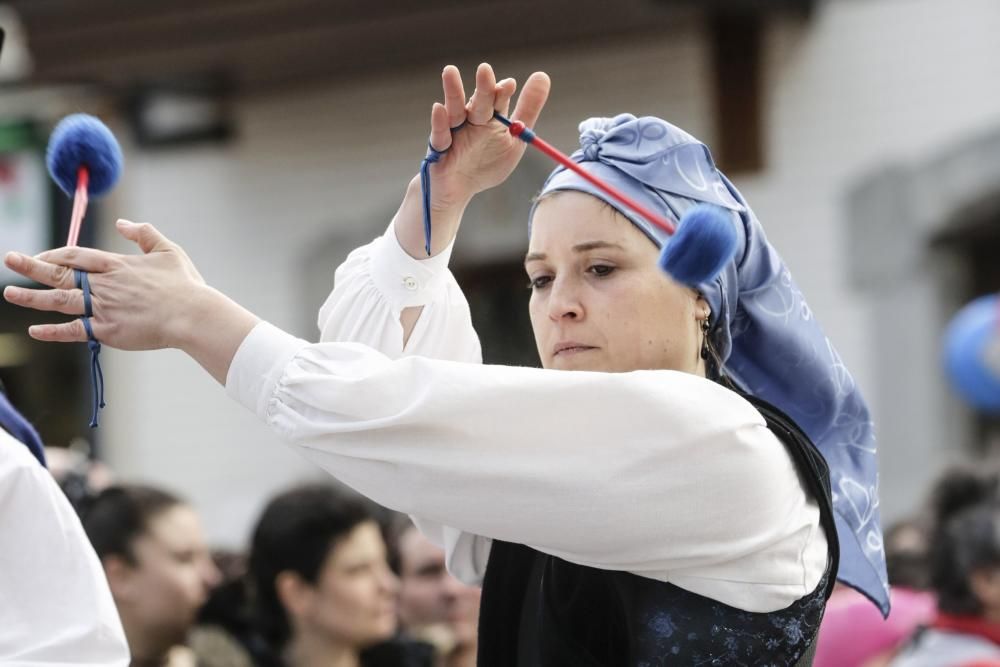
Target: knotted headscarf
761, 327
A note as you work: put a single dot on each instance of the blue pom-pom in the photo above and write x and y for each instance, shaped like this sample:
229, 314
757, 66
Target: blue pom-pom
972, 353
704, 243
83, 140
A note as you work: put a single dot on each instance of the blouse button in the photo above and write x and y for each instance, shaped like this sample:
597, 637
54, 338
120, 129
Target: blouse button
410, 283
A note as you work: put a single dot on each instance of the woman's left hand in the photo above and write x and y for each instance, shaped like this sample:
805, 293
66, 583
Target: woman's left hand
139, 302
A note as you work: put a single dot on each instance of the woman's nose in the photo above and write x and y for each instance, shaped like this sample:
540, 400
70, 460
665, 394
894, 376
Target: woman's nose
389, 581
564, 300
210, 574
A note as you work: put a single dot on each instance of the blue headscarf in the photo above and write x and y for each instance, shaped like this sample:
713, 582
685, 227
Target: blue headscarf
761, 327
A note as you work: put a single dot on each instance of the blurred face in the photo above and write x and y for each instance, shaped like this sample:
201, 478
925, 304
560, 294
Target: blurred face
599, 301
354, 600
160, 595
428, 595
985, 584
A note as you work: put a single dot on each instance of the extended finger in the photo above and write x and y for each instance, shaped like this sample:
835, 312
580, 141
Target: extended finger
66, 301
440, 128
533, 96
454, 95
480, 107
46, 273
504, 91
69, 332
88, 259
146, 236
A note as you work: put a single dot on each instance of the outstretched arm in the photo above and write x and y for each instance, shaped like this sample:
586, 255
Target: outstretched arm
140, 302
602, 469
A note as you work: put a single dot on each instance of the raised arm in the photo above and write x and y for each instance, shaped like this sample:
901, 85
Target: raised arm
378, 283
478, 156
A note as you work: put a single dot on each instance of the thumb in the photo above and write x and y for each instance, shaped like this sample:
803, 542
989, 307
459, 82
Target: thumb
145, 235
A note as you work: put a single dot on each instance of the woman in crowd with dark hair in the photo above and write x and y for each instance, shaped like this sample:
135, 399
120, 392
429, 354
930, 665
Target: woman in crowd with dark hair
965, 575
321, 591
158, 567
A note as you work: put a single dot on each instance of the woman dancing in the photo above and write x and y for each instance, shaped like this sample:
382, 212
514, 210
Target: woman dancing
651, 505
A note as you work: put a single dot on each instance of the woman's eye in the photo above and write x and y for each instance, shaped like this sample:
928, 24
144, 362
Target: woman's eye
359, 569
184, 556
539, 282
601, 270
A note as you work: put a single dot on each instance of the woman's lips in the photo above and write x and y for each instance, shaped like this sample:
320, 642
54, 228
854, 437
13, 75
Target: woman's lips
567, 349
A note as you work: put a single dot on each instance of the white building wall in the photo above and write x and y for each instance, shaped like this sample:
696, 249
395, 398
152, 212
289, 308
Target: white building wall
858, 85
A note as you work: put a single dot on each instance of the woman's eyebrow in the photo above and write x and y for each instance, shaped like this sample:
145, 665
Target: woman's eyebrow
594, 245
580, 247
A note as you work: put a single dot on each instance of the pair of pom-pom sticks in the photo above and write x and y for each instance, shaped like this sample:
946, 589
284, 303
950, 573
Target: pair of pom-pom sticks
85, 160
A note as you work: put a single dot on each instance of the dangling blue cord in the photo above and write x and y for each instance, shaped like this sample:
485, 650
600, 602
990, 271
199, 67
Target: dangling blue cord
433, 155
96, 375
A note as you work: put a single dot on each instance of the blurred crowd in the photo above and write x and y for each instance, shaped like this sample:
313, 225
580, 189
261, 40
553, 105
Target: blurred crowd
328, 578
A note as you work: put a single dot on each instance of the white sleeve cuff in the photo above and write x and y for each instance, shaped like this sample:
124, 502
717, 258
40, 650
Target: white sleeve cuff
259, 364
403, 280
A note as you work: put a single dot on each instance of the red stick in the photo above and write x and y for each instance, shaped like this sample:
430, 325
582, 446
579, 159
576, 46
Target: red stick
518, 129
79, 206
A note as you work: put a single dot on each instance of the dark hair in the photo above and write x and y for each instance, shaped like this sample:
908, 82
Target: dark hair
966, 536
906, 560
115, 517
295, 534
395, 525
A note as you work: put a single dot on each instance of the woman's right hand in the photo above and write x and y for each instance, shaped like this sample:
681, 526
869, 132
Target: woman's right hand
148, 301
479, 156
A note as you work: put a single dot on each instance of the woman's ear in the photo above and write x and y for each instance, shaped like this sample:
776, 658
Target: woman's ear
701, 308
121, 578
294, 593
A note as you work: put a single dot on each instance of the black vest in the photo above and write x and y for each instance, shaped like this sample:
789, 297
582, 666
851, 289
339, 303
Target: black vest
541, 611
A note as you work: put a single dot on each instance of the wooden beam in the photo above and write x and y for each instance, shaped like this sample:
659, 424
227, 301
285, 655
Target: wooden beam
737, 69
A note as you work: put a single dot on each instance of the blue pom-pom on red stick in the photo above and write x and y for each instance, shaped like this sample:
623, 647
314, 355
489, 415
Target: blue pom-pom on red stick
84, 159
82, 140
703, 243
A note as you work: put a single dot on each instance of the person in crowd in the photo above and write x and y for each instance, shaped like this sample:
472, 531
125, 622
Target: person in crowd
964, 574
434, 606
157, 564
321, 590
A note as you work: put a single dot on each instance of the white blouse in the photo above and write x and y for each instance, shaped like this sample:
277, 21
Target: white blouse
659, 473
55, 604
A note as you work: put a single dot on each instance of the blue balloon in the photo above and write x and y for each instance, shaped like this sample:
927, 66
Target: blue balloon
703, 245
83, 140
972, 353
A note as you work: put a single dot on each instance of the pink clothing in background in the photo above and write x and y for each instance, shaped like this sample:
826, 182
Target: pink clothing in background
853, 630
